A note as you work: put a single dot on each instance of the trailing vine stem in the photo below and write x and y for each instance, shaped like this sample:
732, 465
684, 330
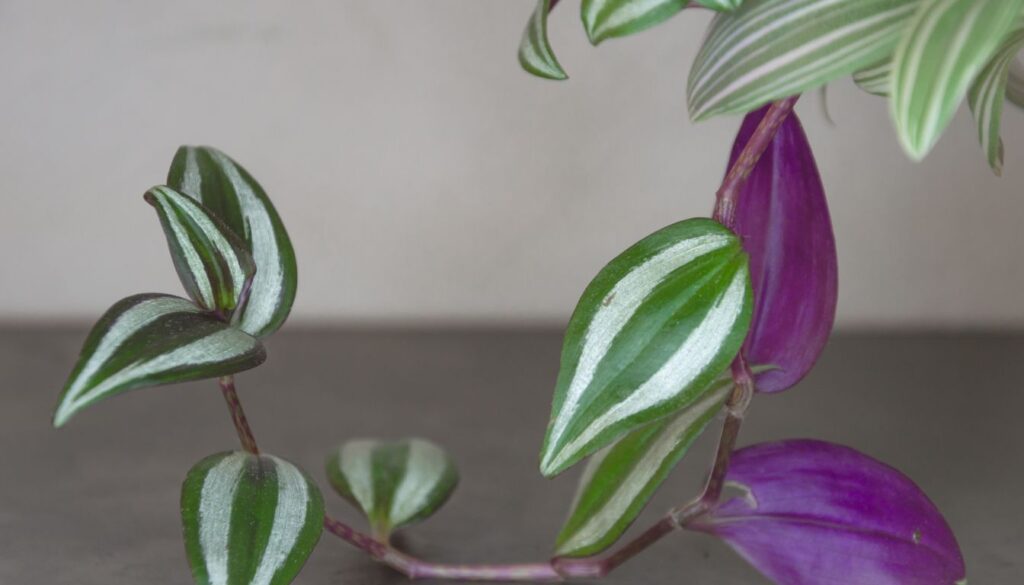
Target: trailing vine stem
563, 568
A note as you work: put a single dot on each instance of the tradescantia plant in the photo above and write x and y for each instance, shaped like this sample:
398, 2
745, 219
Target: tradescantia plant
686, 325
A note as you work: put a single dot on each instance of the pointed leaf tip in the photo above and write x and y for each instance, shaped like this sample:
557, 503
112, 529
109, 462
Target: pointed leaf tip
783, 220
945, 46
650, 333
212, 262
809, 511
394, 484
227, 190
149, 340
249, 519
535, 53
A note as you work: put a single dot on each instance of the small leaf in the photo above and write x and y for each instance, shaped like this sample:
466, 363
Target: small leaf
782, 217
987, 95
772, 49
651, 332
152, 339
249, 519
212, 263
812, 512
230, 192
945, 46
605, 19
535, 54
877, 79
394, 484
619, 480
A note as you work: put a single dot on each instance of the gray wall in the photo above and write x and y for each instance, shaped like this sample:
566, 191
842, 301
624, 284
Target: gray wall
424, 177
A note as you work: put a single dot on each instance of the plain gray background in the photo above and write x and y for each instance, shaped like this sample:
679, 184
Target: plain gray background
425, 178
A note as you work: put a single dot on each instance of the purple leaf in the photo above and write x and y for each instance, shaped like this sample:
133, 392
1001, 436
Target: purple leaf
814, 513
783, 219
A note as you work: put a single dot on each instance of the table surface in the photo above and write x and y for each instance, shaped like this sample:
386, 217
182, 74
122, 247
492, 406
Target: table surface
97, 501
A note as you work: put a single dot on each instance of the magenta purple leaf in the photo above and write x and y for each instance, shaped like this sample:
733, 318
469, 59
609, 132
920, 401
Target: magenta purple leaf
783, 220
815, 513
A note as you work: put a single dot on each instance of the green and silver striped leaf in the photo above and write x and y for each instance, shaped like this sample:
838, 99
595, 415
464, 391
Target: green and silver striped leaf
771, 49
877, 79
605, 19
651, 332
721, 5
394, 483
213, 264
230, 192
619, 480
249, 519
535, 54
151, 339
945, 46
987, 95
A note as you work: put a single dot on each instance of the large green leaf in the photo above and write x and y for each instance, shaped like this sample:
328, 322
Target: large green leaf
394, 484
249, 519
152, 339
652, 330
535, 54
604, 19
987, 95
212, 263
771, 49
230, 192
945, 46
619, 480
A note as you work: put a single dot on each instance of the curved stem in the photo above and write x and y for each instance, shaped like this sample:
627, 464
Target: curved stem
562, 568
729, 192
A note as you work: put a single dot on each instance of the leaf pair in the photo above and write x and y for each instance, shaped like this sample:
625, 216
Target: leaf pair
236, 262
394, 484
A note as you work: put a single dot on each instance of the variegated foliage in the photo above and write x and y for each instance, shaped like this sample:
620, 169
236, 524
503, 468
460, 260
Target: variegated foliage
650, 333
230, 192
394, 484
987, 95
151, 339
249, 519
946, 45
605, 19
770, 49
535, 54
212, 263
619, 480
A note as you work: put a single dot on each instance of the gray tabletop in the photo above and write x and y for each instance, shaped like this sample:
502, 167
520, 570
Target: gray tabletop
97, 501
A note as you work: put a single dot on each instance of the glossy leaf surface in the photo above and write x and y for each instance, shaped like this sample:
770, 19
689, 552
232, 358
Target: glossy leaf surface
650, 333
946, 45
230, 192
604, 19
394, 484
811, 512
783, 220
772, 49
213, 264
249, 520
619, 480
535, 54
151, 339
988, 94
721, 5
